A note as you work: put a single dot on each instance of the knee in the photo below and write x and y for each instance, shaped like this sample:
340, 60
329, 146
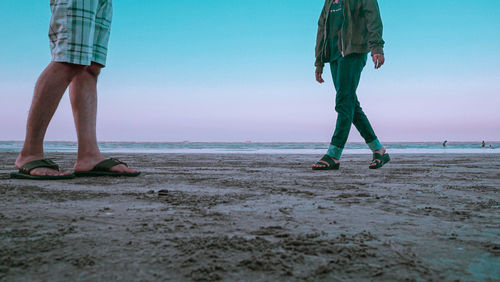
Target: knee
94, 69
66, 70
345, 106
69, 68
345, 111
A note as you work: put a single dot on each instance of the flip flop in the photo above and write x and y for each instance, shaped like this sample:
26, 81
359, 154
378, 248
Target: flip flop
24, 171
103, 169
332, 165
379, 160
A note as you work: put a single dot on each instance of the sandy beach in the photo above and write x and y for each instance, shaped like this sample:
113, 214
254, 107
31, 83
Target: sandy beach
256, 218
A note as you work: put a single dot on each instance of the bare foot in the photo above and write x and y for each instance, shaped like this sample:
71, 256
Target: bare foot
381, 152
325, 163
41, 171
84, 164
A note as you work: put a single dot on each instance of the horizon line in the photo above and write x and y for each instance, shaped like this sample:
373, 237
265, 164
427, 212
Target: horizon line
258, 142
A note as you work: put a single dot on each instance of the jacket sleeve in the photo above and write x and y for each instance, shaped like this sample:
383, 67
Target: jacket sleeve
320, 40
374, 26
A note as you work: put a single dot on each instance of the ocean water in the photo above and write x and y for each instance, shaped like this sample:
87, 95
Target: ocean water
262, 148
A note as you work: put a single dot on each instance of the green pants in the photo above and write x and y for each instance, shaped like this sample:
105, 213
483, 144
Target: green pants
346, 72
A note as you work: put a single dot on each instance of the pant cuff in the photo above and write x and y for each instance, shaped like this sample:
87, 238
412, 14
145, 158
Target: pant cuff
335, 152
375, 145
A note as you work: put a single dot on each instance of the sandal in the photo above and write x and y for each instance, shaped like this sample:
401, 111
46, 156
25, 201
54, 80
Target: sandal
329, 165
104, 169
379, 160
24, 171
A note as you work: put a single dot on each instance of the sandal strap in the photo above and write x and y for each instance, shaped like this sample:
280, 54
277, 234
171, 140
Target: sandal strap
28, 167
107, 164
328, 159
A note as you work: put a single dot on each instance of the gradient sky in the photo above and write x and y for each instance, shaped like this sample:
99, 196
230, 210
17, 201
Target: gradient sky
234, 70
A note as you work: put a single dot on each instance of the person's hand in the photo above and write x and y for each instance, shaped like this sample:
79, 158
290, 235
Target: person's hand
319, 77
378, 60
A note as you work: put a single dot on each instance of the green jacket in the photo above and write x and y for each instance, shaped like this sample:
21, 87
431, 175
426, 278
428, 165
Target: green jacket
361, 31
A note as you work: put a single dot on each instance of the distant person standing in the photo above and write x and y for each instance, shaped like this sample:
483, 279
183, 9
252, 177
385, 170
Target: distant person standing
483, 144
444, 143
79, 33
347, 31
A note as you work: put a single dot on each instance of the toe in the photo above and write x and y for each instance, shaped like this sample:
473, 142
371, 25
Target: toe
122, 169
130, 170
375, 163
45, 172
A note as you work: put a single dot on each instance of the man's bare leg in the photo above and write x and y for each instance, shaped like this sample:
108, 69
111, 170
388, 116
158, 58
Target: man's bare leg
83, 95
49, 90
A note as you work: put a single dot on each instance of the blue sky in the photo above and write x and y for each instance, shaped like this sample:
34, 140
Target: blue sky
233, 70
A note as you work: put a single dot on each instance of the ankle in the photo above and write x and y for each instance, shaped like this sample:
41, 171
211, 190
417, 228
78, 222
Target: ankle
24, 158
27, 154
89, 157
30, 151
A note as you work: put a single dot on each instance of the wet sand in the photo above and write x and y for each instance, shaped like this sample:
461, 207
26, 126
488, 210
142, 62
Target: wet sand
256, 217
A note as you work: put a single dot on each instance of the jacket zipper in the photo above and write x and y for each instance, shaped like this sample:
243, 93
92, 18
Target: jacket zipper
342, 30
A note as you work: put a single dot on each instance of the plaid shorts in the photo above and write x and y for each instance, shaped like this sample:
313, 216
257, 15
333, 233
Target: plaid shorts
79, 30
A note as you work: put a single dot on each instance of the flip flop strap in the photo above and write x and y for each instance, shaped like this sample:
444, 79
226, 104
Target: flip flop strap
27, 168
106, 165
329, 160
